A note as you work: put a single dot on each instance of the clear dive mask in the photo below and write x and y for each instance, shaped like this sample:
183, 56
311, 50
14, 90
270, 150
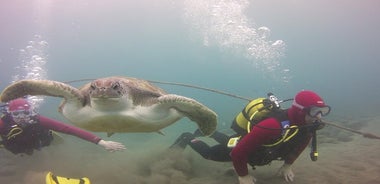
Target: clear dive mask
22, 116
313, 111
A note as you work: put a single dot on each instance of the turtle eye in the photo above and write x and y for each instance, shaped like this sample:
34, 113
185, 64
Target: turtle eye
116, 85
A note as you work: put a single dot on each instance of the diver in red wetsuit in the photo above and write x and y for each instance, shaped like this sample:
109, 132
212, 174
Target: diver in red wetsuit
282, 136
22, 130
307, 109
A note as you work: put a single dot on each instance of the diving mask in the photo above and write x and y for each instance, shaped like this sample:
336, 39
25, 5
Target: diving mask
20, 116
313, 111
21, 113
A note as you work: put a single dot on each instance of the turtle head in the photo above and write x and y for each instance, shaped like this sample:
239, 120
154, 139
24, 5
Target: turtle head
106, 88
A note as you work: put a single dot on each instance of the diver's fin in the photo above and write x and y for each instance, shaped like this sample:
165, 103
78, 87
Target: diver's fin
183, 140
109, 134
53, 179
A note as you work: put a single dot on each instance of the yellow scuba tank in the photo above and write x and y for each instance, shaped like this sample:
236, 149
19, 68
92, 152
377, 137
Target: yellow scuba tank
254, 110
53, 179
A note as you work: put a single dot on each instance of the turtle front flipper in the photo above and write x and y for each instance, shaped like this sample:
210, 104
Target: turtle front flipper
205, 118
40, 87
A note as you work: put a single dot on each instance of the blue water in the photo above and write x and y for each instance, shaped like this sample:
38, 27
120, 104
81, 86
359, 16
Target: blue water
246, 48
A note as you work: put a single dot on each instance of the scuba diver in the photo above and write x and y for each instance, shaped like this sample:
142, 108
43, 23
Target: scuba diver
264, 133
23, 130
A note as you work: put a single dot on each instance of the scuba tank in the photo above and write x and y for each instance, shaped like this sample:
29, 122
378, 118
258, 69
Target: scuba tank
255, 111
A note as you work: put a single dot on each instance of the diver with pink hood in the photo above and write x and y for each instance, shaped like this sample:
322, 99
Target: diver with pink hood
305, 113
23, 130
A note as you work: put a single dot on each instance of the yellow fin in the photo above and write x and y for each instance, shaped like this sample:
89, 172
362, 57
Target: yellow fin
53, 179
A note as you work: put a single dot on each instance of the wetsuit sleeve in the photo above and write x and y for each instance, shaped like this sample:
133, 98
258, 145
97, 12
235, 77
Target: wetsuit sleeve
68, 129
292, 156
1, 125
264, 133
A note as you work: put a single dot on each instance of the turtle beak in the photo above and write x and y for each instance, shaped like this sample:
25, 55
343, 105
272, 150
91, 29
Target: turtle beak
105, 93
105, 89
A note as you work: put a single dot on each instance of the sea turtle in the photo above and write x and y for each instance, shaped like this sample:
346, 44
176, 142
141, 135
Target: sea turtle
117, 104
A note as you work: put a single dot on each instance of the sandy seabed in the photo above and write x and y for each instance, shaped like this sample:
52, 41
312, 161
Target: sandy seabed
353, 161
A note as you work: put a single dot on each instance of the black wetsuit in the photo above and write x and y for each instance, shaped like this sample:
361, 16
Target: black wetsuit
219, 152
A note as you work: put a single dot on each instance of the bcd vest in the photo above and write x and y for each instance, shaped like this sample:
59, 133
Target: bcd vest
24, 137
292, 136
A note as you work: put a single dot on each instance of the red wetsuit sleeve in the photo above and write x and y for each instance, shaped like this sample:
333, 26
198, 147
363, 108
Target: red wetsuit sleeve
68, 129
1, 124
292, 156
264, 133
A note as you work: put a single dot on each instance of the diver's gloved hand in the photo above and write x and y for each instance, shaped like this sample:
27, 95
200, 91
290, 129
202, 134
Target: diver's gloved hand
286, 171
247, 179
111, 146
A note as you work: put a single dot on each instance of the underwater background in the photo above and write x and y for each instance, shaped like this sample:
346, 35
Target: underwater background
245, 48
